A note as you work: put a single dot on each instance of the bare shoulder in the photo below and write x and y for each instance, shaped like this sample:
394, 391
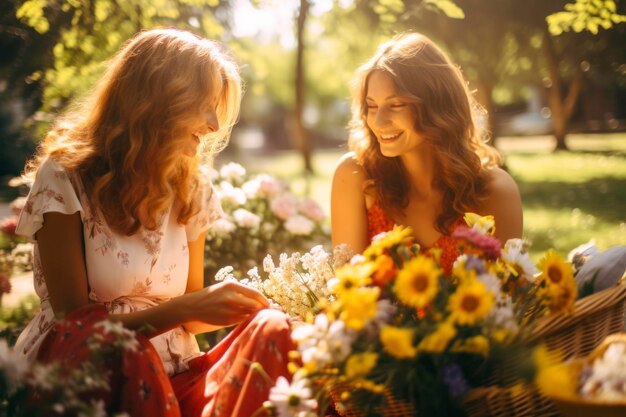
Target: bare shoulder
348, 168
501, 184
349, 174
505, 204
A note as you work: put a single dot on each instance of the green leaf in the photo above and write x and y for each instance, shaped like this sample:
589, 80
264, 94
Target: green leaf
31, 12
449, 8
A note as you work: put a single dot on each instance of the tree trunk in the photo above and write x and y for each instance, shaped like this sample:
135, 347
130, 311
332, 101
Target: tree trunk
485, 97
562, 109
302, 136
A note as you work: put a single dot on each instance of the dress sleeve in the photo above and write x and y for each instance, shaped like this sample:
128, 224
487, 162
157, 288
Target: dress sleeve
210, 210
52, 191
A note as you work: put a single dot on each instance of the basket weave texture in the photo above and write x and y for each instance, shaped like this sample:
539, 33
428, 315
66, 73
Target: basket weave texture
595, 317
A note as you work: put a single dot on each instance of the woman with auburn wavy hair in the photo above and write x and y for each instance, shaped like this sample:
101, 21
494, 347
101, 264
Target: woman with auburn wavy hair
119, 209
418, 158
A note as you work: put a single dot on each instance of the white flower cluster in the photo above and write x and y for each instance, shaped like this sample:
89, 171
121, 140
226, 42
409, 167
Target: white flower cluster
605, 378
324, 343
297, 283
22, 256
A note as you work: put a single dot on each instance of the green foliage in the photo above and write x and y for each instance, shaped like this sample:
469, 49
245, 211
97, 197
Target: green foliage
583, 15
14, 320
448, 7
90, 32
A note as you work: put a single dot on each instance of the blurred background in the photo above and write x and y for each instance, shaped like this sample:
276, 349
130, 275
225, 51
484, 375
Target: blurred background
551, 74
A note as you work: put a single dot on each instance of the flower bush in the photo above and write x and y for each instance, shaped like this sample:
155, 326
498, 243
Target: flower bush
261, 217
47, 389
402, 333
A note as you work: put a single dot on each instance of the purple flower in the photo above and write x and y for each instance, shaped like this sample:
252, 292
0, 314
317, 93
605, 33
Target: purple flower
455, 380
476, 264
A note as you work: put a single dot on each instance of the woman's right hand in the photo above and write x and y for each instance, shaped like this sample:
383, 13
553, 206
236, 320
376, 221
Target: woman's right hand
223, 304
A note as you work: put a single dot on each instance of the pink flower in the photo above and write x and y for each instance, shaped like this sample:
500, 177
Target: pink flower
268, 186
284, 206
8, 225
489, 245
5, 285
311, 209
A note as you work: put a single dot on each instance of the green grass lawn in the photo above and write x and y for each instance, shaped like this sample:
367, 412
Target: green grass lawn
569, 198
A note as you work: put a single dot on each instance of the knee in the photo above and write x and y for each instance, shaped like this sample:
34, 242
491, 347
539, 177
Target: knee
273, 323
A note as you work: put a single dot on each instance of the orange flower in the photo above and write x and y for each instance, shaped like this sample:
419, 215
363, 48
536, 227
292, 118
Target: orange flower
385, 270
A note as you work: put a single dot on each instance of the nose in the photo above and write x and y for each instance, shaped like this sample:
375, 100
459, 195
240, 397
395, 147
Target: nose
212, 121
380, 118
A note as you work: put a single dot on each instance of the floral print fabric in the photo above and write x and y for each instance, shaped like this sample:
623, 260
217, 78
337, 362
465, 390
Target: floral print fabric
125, 273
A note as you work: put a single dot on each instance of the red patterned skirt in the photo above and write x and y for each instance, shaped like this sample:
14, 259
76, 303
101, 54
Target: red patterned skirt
219, 383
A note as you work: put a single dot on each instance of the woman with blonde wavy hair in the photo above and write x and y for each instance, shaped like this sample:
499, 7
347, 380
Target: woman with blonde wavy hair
418, 157
119, 209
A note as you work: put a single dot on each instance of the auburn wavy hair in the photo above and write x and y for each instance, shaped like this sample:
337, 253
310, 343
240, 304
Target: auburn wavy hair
445, 115
125, 139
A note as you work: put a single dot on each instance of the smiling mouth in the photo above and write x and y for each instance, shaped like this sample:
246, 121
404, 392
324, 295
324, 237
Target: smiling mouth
390, 138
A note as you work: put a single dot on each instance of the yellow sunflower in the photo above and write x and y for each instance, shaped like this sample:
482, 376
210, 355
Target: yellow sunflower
554, 269
353, 276
358, 306
417, 283
360, 364
470, 303
438, 340
560, 298
385, 241
398, 342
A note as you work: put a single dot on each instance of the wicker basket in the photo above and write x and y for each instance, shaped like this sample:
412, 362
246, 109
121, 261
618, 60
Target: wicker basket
579, 407
595, 317
392, 408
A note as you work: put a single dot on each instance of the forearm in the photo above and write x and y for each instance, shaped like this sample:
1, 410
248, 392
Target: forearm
155, 320
198, 327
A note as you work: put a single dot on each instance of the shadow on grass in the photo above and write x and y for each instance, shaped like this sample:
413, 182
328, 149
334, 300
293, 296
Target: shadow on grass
607, 152
604, 198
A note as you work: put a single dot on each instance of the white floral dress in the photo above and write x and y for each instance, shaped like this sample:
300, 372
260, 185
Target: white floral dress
125, 273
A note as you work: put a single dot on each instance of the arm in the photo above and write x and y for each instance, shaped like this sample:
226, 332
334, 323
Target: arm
505, 204
60, 242
195, 283
348, 213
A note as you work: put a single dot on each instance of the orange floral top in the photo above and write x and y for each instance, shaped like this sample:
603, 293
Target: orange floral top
378, 222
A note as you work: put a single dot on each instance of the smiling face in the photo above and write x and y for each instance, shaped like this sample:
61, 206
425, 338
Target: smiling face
206, 121
391, 116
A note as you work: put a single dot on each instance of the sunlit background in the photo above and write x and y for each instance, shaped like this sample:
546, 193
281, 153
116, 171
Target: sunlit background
550, 75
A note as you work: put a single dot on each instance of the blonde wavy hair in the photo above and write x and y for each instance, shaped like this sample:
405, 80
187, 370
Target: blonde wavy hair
446, 117
125, 139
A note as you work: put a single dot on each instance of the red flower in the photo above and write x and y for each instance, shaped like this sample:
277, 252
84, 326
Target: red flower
9, 225
5, 285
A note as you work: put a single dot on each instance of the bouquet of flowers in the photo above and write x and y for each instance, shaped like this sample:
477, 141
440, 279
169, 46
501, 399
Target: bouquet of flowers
404, 333
261, 217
